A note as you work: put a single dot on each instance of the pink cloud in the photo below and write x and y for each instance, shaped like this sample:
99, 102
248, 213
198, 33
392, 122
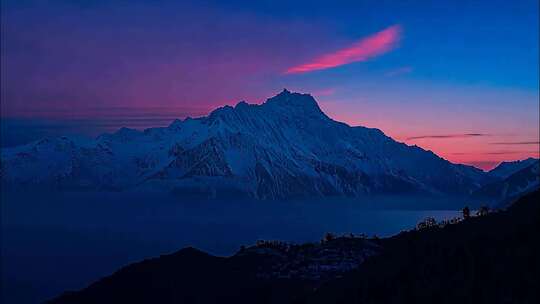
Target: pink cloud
364, 49
516, 143
445, 136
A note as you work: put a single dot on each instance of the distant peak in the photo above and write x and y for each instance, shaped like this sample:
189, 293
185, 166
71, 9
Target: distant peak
287, 94
241, 104
294, 103
285, 103
288, 98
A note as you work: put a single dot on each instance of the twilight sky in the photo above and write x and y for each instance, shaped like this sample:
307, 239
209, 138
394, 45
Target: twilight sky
460, 78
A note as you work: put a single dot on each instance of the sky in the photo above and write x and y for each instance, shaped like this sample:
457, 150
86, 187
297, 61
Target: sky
460, 78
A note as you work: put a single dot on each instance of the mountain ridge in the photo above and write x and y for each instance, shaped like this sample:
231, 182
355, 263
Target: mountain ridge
523, 179
286, 147
507, 168
447, 263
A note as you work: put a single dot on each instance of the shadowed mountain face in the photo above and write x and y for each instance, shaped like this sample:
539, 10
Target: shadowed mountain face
505, 169
493, 258
521, 180
284, 148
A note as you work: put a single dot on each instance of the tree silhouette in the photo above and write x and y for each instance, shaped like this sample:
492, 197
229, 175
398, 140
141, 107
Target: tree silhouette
466, 212
329, 236
484, 210
426, 223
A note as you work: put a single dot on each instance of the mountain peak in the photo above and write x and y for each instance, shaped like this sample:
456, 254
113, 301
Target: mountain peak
285, 103
505, 169
283, 148
296, 102
288, 95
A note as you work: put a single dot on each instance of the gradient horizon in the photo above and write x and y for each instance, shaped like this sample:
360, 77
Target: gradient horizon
460, 79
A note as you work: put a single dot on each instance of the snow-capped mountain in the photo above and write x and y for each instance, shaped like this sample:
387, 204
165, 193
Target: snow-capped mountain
285, 147
501, 193
505, 169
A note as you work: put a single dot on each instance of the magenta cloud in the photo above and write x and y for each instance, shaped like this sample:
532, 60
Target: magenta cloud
445, 136
364, 49
516, 143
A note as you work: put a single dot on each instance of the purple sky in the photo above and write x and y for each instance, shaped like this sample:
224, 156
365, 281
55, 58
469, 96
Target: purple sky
426, 73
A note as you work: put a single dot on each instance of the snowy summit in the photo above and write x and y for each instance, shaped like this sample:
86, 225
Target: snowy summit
286, 147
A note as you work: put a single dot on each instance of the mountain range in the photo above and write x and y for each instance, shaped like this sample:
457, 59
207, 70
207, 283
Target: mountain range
518, 178
505, 169
284, 148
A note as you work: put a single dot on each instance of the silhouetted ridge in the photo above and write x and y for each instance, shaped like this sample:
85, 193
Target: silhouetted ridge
493, 258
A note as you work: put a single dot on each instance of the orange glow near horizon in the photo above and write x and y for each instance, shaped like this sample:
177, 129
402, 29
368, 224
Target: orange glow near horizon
484, 150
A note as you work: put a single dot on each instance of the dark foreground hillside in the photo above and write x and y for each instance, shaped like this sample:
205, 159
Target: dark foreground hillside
488, 259
491, 259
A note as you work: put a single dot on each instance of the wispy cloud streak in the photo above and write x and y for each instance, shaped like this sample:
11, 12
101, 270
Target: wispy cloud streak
493, 153
507, 152
448, 136
364, 49
516, 143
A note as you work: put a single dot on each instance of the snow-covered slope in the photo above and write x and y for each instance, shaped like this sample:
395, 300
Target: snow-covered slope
286, 147
505, 169
502, 193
